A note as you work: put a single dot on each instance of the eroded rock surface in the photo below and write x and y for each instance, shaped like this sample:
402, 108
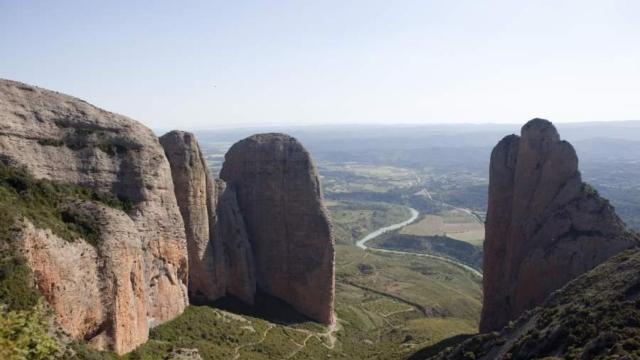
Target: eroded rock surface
279, 197
65, 139
544, 225
240, 269
197, 199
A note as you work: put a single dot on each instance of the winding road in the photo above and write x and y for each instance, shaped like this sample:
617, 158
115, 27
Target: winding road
383, 230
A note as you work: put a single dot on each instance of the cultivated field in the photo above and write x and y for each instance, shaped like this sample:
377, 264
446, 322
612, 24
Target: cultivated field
456, 224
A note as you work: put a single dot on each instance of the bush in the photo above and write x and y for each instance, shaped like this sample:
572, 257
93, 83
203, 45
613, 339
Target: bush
24, 335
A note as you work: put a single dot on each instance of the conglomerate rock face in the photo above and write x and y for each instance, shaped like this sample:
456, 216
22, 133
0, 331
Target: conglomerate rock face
544, 225
240, 268
196, 195
137, 277
279, 196
265, 228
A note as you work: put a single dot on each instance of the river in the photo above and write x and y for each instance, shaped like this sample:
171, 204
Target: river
383, 230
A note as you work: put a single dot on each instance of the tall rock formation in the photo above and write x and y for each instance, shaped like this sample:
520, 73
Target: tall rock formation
240, 268
279, 197
197, 199
137, 277
220, 256
544, 225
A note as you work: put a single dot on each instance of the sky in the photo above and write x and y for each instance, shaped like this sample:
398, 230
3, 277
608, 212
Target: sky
212, 64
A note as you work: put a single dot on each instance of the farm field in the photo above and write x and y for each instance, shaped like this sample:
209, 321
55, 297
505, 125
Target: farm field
354, 177
455, 223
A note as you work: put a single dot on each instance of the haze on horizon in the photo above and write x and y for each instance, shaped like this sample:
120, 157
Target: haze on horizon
208, 64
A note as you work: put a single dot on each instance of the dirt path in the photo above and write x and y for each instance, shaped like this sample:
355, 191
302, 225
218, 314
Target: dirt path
328, 335
236, 351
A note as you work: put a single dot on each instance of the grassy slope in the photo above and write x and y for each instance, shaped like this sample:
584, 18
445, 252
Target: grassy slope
381, 304
596, 316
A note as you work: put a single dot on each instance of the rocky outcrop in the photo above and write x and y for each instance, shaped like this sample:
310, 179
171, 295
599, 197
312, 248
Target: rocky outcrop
544, 225
240, 269
279, 197
197, 198
137, 277
594, 316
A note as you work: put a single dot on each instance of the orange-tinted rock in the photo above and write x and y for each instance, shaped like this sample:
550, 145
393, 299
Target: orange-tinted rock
279, 196
67, 140
544, 225
98, 293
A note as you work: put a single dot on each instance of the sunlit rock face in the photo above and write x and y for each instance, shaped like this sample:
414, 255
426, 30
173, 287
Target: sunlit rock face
278, 194
197, 198
544, 225
137, 277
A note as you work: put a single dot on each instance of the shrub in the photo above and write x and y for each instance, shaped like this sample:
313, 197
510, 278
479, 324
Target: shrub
24, 335
50, 142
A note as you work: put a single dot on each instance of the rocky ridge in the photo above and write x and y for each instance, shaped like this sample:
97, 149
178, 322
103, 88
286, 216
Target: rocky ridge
544, 225
595, 316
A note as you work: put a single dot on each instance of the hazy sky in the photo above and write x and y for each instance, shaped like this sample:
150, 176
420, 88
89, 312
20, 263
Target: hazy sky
206, 64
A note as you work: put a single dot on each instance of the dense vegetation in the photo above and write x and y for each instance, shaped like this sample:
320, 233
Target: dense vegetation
435, 245
49, 205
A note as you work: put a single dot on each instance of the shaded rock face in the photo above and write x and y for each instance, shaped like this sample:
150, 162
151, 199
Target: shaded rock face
544, 225
240, 269
196, 195
138, 277
279, 197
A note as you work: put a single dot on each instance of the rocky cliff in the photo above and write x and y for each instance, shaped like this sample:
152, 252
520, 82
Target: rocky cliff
544, 225
220, 256
134, 276
116, 228
240, 267
197, 198
278, 194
